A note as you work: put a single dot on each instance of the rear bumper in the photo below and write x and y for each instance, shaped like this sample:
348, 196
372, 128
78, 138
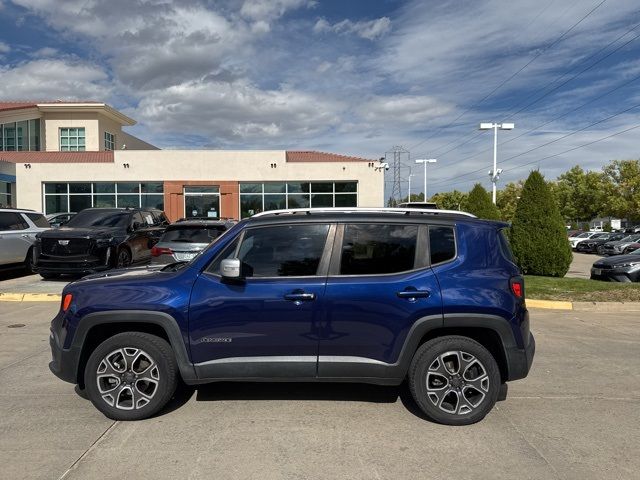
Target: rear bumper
519, 360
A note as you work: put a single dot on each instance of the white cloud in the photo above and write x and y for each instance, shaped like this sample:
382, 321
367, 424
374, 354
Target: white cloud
368, 29
45, 52
4, 48
412, 110
52, 80
269, 10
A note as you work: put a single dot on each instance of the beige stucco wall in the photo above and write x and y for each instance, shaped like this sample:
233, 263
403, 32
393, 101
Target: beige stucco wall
200, 165
54, 121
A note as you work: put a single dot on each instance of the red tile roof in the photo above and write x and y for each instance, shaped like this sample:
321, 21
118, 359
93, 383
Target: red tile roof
57, 157
313, 156
15, 105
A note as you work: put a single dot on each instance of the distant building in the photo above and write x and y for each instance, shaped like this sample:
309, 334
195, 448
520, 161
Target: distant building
66, 156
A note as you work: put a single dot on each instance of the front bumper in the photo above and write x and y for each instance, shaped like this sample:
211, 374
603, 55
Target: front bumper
64, 362
627, 274
97, 260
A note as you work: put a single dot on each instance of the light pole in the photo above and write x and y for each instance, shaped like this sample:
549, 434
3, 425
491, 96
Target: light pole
410, 175
495, 173
424, 162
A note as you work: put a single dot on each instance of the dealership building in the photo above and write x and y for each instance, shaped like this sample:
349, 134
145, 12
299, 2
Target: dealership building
66, 156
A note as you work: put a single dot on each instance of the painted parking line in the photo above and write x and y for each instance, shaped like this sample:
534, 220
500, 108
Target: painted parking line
29, 297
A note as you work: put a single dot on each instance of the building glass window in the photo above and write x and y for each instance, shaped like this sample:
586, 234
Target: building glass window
259, 197
72, 139
109, 141
20, 136
76, 196
202, 201
5, 195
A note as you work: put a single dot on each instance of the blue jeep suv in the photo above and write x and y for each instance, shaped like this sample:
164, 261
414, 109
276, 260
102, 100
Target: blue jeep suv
351, 295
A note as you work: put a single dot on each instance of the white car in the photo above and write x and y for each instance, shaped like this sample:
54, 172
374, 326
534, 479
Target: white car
18, 229
574, 241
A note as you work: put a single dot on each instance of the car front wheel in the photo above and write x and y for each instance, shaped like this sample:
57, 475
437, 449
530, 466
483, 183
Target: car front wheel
131, 376
124, 258
454, 380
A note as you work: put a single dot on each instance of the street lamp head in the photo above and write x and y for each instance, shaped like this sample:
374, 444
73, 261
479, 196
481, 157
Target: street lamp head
426, 160
507, 126
486, 126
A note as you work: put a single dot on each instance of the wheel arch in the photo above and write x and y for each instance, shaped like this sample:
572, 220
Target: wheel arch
97, 327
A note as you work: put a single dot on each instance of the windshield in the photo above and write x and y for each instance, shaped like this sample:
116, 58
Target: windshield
98, 218
583, 235
193, 234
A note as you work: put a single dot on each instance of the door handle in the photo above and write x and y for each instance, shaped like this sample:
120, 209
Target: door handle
299, 297
412, 294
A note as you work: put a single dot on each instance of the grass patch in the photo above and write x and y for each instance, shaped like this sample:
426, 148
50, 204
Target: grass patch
580, 290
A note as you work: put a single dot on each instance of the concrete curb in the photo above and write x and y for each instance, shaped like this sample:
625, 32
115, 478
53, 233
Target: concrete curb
531, 303
30, 297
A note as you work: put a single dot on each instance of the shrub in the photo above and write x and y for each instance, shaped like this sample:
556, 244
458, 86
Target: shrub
479, 203
538, 233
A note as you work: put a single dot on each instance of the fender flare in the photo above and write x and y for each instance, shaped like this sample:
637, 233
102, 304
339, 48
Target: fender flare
161, 319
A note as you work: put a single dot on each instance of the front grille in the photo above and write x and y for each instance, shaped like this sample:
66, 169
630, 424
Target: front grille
603, 267
64, 247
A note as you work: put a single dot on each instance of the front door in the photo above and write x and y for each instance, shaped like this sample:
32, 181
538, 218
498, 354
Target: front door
379, 285
265, 325
14, 242
202, 201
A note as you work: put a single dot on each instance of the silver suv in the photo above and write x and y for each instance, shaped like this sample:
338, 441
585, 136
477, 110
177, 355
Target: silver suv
18, 229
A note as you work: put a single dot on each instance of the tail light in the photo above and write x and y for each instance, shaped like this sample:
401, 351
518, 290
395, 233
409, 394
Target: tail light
517, 287
66, 302
157, 251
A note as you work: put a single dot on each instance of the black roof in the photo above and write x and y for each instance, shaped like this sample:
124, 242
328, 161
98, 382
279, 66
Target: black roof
353, 215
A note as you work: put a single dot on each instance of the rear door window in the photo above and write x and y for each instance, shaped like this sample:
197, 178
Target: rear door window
373, 249
442, 244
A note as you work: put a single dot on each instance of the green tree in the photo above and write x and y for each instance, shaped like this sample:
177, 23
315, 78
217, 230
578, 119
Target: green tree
449, 200
580, 195
479, 203
507, 200
622, 189
538, 233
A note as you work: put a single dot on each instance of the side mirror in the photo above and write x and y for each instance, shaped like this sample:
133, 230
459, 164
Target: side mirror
230, 268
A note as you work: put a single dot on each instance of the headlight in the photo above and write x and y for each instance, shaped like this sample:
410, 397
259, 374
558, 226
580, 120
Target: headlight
103, 242
628, 264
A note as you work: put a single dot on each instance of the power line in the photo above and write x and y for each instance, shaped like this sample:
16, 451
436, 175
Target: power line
512, 76
557, 87
556, 154
609, 92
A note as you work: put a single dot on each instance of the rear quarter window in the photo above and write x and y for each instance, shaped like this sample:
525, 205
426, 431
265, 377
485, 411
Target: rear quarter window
38, 219
442, 244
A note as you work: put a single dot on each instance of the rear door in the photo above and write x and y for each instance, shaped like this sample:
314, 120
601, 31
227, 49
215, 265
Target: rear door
379, 285
14, 239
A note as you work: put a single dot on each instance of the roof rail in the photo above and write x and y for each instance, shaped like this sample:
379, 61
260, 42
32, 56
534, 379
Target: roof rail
355, 210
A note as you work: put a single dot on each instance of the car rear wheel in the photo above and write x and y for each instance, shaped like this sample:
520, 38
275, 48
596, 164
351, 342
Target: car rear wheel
131, 376
454, 380
124, 258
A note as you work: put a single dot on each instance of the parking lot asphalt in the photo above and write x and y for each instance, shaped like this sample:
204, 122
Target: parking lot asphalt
575, 416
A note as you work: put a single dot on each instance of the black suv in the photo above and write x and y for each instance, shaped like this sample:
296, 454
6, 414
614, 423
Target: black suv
98, 239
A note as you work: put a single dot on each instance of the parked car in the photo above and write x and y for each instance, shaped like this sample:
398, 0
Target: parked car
352, 295
618, 248
59, 219
99, 239
621, 268
632, 248
583, 236
596, 243
183, 240
18, 229
574, 233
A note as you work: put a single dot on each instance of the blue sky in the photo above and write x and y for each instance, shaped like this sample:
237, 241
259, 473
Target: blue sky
353, 77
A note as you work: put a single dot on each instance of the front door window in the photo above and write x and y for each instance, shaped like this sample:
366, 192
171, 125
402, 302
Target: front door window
202, 201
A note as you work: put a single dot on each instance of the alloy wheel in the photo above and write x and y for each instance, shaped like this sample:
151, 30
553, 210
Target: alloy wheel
457, 382
127, 378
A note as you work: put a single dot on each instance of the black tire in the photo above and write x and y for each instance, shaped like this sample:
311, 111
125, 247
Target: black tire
28, 261
123, 259
161, 370
475, 392
49, 275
